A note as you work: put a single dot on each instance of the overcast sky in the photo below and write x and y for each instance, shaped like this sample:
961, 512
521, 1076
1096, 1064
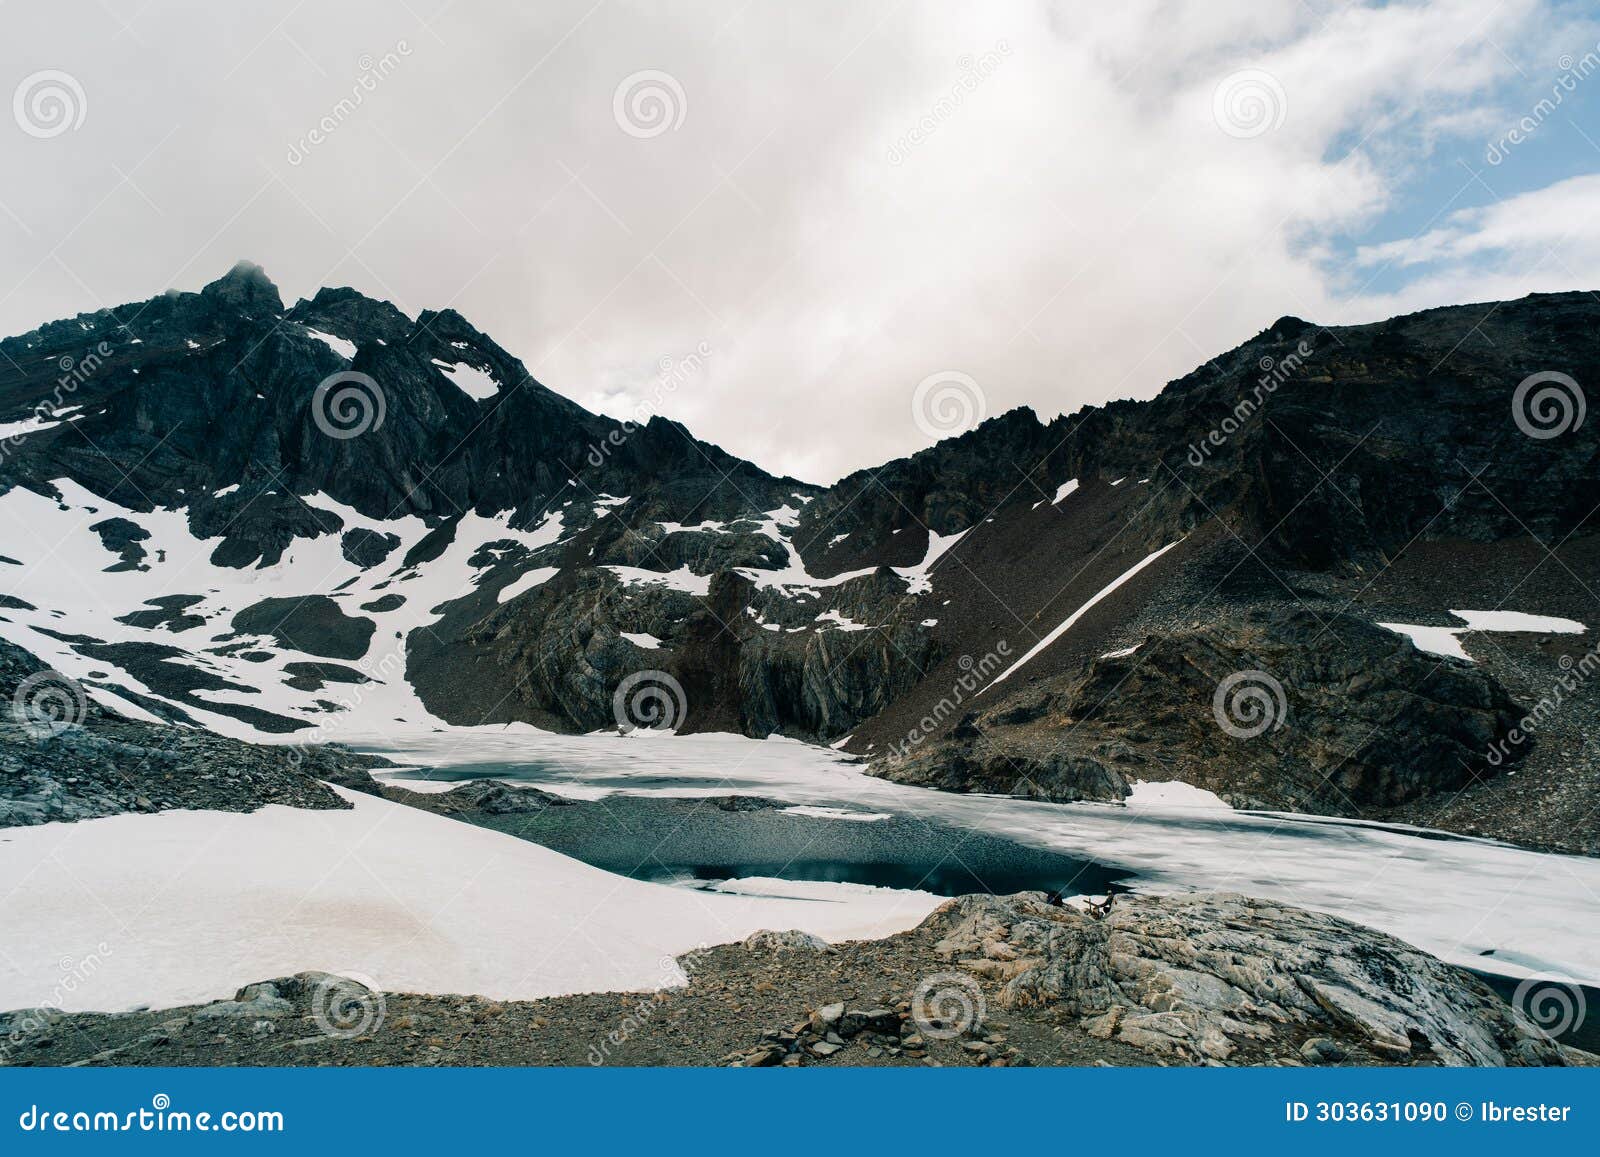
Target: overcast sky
1032, 203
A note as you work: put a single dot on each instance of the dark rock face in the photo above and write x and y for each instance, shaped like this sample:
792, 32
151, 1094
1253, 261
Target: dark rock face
166, 611
1012, 769
122, 537
90, 762
559, 654
1274, 712
1339, 445
367, 548
227, 381
316, 625
314, 676
345, 313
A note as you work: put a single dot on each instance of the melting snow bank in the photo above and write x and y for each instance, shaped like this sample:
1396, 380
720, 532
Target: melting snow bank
184, 907
1478, 903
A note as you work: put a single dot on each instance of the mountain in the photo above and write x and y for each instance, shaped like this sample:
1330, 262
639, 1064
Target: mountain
323, 520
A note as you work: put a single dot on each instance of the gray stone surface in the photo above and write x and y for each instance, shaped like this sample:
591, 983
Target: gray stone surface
1191, 977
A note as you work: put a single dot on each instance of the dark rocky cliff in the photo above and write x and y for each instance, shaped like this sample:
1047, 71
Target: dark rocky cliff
1287, 477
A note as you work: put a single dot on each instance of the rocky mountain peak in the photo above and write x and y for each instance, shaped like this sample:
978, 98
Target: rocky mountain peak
245, 287
352, 315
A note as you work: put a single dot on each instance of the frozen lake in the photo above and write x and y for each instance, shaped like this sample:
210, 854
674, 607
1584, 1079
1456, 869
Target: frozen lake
1481, 904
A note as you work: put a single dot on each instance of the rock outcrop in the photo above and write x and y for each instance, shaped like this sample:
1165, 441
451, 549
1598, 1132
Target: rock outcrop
1194, 978
64, 757
1280, 710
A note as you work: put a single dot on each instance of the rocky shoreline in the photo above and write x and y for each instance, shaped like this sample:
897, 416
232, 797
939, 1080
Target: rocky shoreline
1205, 979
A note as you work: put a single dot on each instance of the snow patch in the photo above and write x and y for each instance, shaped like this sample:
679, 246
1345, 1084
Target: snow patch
682, 579
1079, 613
525, 582
473, 382
29, 425
1446, 641
417, 902
1175, 794
341, 346
839, 622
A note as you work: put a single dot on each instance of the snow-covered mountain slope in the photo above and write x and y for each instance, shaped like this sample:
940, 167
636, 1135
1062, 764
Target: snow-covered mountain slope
406, 900
323, 519
315, 644
272, 521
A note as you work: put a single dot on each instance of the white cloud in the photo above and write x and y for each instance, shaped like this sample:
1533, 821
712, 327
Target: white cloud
1545, 240
1074, 227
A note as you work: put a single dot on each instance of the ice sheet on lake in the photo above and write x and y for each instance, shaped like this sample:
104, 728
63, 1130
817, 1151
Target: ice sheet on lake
1455, 897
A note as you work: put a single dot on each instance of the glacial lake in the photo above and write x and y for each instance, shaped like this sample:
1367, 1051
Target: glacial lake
1497, 909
